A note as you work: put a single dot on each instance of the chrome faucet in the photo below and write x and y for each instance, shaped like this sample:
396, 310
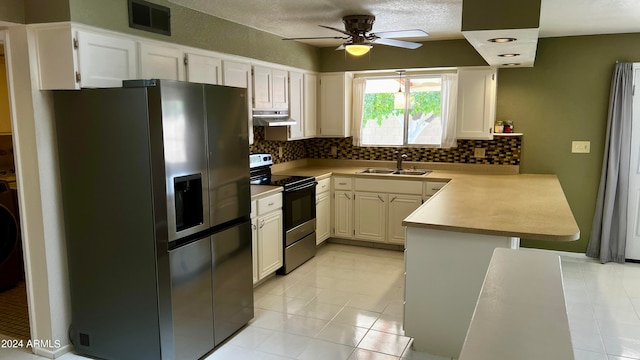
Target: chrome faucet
400, 158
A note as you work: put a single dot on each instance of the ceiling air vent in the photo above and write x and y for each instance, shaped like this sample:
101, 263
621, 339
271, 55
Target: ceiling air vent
144, 15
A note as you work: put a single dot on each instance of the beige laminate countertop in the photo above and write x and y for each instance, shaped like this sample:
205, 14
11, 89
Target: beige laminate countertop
264, 190
528, 206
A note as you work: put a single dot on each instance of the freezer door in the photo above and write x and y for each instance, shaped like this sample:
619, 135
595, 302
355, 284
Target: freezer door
232, 280
229, 191
185, 156
191, 299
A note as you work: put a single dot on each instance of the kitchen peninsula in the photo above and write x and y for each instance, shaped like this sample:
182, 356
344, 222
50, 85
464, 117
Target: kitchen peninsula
451, 237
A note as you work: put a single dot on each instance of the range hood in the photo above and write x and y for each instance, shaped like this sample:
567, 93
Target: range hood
272, 118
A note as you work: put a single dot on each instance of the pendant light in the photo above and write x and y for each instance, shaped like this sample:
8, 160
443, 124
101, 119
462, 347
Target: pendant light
399, 99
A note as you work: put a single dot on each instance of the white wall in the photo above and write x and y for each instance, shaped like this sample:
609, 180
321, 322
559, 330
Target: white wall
42, 225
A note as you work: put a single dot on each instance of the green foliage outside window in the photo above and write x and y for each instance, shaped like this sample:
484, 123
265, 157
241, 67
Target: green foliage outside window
379, 106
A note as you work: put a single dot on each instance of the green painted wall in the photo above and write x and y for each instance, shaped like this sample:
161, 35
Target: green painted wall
432, 54
193, 28
12, 11
42, 11
565, 97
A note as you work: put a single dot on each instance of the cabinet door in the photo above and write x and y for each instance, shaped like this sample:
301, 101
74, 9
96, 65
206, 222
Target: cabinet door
269, 243
310, 105
323, 217
335, 109
161, 62
476, 103
280, 89
239, 75
254, 248
343, 214
400, 206
104, 61
203, 69
262, 83
370, 216
295, 106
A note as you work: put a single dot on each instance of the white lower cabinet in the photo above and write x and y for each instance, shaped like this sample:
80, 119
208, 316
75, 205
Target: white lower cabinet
266, 224
343, 214
400, 206
323, 210
269, 243
370, 214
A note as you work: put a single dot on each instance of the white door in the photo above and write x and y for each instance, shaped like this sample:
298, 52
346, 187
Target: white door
104, 61
476, 103
239, 75
323, 217
310, 104
280, 89
254, 248
262, 87
370, 216
400, 206
295, 106
343, 214
633, 217
203, 69
269, 243
161, 62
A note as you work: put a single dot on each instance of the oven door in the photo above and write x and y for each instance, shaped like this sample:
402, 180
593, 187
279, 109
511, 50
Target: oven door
299, 205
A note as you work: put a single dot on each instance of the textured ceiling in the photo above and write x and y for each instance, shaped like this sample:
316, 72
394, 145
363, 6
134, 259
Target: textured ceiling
440, 18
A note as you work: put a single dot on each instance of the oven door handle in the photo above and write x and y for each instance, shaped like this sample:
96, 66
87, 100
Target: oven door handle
301, 187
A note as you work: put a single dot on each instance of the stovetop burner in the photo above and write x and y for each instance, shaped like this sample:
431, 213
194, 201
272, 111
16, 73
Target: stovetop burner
260, 165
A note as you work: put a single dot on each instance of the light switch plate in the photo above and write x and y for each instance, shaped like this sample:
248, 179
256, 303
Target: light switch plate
581, 147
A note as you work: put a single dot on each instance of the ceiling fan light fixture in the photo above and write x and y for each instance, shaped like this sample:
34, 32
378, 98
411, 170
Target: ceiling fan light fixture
502, 40
357, 49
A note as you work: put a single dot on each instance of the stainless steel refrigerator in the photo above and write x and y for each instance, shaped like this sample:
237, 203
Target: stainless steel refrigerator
156, 200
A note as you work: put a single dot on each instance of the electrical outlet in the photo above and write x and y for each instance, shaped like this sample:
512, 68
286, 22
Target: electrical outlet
334, 151
479, 152
581, 147
279, 151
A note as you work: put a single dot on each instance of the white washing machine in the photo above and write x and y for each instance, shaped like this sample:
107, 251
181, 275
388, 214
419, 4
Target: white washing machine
10, 250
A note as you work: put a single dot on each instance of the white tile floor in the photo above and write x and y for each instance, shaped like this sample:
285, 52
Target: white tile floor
346, 303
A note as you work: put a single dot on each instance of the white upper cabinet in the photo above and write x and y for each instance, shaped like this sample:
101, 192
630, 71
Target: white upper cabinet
270, 88
296, 105
335, 105
161, 62
70, 58
310, 105
238, 74
203, 68
476, 103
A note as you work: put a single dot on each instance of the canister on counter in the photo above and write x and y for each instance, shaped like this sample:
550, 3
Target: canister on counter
498, 127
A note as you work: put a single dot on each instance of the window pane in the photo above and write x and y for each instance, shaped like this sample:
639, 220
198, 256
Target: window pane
382, 123
425, 122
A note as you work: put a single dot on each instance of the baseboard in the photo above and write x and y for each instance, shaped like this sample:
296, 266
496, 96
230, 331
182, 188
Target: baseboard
53, 354
581, 256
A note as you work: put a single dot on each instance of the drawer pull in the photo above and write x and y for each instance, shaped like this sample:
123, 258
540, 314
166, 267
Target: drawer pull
270, 204
342, 183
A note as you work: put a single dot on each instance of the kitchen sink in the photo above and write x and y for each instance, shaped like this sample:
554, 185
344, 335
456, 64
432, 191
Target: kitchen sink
411, 172
376, 171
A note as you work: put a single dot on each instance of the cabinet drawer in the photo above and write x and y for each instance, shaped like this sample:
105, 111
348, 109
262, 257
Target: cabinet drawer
430, 187
394, 186
342, 183
269, 203
323, 186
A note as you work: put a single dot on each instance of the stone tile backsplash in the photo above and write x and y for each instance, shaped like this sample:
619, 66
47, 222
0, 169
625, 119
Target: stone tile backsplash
502, 150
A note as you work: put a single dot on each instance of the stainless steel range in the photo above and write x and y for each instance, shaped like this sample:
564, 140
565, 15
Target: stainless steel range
299, 208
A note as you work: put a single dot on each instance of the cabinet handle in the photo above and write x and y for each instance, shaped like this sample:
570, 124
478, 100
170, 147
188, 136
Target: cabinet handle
380, 197
270, 204
262, 224
253, 226
393, 198
348, 197
342, 183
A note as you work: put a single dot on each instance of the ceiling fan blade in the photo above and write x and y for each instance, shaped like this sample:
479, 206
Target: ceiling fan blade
401, 34
398, 43
335, 29
315, 38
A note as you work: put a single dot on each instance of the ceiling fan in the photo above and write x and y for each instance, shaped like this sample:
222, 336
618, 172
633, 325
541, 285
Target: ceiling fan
360, 39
